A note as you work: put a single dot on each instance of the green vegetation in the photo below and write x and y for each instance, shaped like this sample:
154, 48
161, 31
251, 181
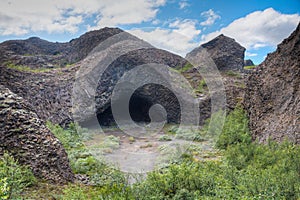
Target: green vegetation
201, 87
185, 133
165, 138
25, 68
247, 170
13, 177
235, 129
250, 67
81, 159
233, 74
185, 68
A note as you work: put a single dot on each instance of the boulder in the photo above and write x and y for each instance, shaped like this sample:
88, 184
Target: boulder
272, 96
25, 136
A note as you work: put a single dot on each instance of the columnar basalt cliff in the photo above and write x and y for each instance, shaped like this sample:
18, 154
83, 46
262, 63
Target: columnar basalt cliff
228, 57
25, 136
224, 51
50, 92
273, 94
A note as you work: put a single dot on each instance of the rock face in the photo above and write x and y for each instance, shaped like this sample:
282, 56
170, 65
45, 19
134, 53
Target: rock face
25, 136
248, 62
273, 93
224, 51
120, 66
50, 93
37, 53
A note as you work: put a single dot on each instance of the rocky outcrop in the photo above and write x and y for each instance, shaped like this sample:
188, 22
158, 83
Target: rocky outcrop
142, 53
273, 93
48, 93
248, 62
224, 51
26, 137
37, 53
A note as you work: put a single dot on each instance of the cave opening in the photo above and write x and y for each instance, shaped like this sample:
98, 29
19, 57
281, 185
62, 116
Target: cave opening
138, 109
141, 102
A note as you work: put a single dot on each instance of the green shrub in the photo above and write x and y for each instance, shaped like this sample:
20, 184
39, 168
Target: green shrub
247, 171
13, 177
81, 159
165, 138
185, 133
235, 129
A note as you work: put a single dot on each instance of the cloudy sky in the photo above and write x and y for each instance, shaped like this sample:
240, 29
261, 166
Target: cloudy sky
178, 26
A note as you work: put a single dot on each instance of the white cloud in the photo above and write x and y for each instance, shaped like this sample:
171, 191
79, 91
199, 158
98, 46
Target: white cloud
128, 12
210, 16
249, 54
259, 29
186, 27
179, 39
183, 4
19, 17
155, 22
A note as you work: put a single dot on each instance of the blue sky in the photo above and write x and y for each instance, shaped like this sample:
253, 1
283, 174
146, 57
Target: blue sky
178, 26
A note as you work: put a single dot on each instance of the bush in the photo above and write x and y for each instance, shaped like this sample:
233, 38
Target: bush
247, 171
13, 177
81, 159
235, 129
185, 133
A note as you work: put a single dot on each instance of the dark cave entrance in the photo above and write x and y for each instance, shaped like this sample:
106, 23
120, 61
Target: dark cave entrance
140, 103
138, 109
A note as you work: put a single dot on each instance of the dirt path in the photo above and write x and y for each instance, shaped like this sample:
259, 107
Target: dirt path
140, 155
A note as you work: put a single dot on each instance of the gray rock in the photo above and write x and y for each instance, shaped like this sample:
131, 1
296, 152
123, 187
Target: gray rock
272, 96
224, 51
248, 62
26, 137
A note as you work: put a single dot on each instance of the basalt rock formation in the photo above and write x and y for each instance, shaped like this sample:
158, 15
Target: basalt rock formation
248, 62
37, 53
273, 94
224, 51
26, 137
50, 92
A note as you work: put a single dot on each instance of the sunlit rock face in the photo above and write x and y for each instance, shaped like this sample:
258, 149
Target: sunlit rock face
273, 93
226, 53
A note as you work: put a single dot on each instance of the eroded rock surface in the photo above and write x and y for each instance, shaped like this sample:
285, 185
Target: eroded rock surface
37, 53
273, 93
248, 62
225, 52
26, 137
